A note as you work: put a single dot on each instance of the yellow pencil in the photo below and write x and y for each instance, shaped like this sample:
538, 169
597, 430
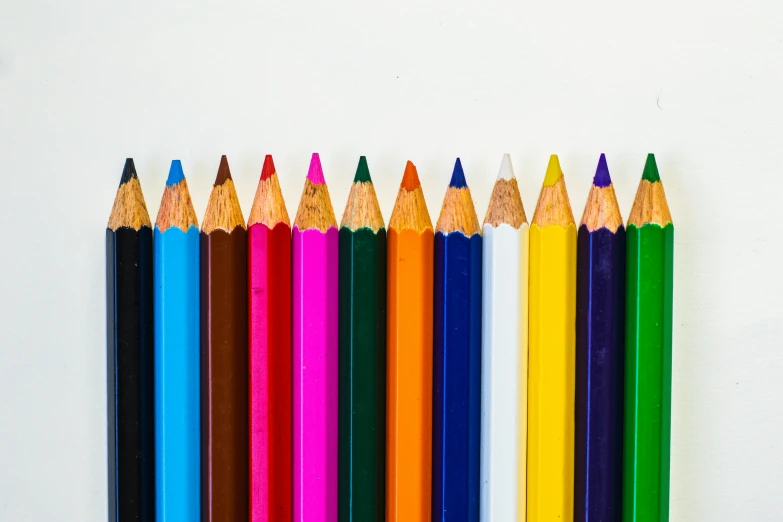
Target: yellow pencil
552, 309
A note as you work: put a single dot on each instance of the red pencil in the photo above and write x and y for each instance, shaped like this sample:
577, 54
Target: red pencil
269, 305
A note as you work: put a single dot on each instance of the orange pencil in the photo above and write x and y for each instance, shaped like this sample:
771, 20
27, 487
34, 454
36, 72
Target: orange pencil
409, 356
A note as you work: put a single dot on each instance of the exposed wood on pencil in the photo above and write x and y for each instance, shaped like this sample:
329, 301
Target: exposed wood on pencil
223, 209
268, 205
553, 206
601, 210
457, 213
410, 208
129, 209
315, 206
650, 204
362, 209
505, 202
176, 207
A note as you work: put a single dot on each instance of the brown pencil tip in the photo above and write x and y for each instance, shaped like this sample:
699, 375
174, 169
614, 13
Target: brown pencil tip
223, 172
410, 180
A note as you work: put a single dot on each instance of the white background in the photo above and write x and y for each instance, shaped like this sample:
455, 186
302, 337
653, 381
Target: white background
83, 84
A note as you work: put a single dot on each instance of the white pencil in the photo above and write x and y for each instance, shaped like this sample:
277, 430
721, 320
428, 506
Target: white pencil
504, 352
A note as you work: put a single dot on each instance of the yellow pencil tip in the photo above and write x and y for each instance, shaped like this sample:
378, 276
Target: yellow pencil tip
553, 171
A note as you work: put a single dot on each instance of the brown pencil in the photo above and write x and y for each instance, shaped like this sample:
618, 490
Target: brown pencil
224, 439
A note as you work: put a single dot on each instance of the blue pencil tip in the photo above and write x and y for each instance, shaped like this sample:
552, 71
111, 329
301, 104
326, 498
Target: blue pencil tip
175, 173
458, 176
602, 178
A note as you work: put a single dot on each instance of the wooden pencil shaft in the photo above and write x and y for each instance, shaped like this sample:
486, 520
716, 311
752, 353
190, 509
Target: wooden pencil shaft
648, 360
130, 355
409, 375
504, 372
224, 439
177, 375
600, 341
362, 375
270, 383
550, 486
456, 397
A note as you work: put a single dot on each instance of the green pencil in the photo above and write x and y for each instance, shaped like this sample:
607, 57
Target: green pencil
648, 369
362, 349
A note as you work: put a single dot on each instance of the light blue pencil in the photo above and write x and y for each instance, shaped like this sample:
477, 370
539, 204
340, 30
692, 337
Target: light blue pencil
177, 377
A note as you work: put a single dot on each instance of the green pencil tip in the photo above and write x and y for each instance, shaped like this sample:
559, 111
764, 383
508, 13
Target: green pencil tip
362, 172
651, 169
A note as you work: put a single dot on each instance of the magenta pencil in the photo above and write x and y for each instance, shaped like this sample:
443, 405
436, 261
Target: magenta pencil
315, 244
269, 306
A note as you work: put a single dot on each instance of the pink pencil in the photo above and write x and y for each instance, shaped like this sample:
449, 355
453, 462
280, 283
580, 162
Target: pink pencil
269, 335
315, 305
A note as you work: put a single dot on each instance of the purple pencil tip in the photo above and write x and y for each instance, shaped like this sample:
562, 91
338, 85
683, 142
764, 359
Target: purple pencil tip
316, 173
602, 178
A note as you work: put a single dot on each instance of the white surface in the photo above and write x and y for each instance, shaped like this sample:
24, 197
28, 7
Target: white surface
83, 84
504, 369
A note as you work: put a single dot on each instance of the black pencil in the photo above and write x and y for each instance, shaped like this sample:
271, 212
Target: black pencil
129, 327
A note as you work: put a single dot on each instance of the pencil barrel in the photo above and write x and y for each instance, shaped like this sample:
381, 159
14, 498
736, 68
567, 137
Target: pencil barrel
270, 379
362, 375
224, 438
315, 303
409, 376
648, 370
600, 344
456, 396
504, 372
130, 339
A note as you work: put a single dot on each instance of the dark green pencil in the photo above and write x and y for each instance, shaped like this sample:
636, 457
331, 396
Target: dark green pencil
362, 349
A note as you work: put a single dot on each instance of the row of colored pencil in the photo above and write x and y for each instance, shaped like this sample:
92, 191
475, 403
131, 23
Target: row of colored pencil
498, 372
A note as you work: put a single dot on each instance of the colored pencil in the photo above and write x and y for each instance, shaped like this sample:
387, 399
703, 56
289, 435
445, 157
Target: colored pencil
315, 301
600, 323
269, 337
224, 448
409, 356
550, 419
648, 352
129, 327
506, 237
362, 372
456, 390
177, 377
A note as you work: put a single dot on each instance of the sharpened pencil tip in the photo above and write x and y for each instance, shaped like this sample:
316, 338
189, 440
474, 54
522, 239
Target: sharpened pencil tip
602, 178
316, 174
506, 169
362, 172
651, 169
553, 171
128, 172
410, 180
268, 170
175, 173
223, 171
458, 176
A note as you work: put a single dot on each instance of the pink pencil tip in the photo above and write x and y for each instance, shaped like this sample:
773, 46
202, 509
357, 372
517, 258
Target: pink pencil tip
316, 173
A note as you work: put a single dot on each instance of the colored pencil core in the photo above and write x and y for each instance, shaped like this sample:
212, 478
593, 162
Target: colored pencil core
458, 176
410, 180
268, 169
175, 173
223, 173
362, 172
651, 169
129, 171
506, 169
316, 173
553, 171
602, 178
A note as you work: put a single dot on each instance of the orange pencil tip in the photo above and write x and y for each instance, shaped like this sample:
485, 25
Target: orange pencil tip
410, 180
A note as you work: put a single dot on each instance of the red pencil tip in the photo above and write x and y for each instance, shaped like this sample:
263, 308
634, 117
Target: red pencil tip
410, 180
269, 168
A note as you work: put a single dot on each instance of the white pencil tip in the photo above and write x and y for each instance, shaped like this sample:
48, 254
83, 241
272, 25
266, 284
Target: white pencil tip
506, 170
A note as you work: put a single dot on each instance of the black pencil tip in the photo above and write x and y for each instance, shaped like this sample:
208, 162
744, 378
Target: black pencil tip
128, 172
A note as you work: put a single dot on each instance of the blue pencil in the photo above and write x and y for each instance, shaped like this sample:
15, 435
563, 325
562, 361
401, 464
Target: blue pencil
456, 408
177, 377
